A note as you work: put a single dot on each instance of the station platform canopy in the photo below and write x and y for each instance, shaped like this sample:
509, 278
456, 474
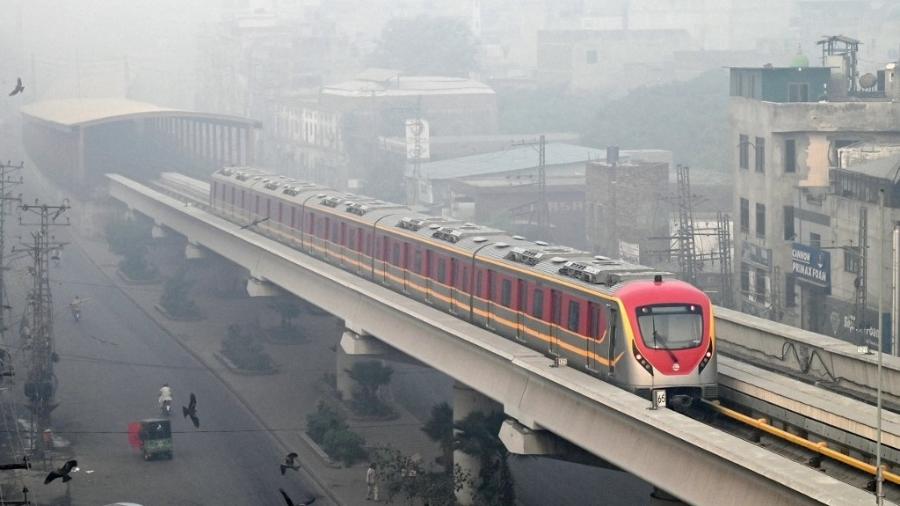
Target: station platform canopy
82, 112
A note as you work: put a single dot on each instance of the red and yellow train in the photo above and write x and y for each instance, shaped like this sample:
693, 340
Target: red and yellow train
621, 322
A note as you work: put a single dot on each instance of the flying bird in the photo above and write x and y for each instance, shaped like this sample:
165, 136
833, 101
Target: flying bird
289, 463
62, 472
289, 502
18, 89
191, 410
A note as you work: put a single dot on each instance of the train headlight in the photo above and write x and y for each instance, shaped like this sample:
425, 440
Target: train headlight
706, 357
641, 359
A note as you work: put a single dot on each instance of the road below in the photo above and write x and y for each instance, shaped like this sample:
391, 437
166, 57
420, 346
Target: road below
112, 364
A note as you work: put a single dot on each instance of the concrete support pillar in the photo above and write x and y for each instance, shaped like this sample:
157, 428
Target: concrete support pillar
465, 402
242, 145
355, 346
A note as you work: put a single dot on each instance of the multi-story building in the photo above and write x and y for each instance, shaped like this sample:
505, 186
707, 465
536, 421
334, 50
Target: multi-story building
795, 226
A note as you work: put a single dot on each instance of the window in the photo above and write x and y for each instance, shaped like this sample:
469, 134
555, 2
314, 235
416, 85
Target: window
745, 215
760, 154
590, 56
417, 262
396, 254
574, 315
851, 259
522, 303
790, 291
789, 234
506, 293
761, 221
744, 151
815, 240
745, 279
537, 305
790, 156
798, 92
671, 327
477, 283
760, 285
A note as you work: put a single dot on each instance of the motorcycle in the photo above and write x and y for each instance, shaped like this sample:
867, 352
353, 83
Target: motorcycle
166, 407
76, 314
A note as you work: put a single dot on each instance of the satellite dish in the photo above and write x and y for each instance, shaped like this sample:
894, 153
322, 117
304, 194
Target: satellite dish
867, 81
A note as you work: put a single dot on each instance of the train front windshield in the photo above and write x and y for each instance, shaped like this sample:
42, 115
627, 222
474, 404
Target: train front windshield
671, 327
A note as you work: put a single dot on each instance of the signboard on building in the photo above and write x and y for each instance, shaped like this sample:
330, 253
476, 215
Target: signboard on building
417, 140
755, 255
811, 265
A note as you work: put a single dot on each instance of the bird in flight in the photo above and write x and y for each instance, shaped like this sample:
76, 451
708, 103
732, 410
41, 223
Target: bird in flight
62, 472
191, 410
289, 463
289, 502
18, 89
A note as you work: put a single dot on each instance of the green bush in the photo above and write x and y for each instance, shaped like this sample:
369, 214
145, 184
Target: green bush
244, 351
324, 419
135, 266
176, 299
127, 235
344, 445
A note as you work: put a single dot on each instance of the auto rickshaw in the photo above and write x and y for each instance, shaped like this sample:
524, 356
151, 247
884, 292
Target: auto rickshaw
153, 436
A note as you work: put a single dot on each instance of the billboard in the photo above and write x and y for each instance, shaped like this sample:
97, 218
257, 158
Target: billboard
417, 140
811, 265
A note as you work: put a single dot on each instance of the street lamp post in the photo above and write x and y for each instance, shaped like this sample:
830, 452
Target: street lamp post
879, 476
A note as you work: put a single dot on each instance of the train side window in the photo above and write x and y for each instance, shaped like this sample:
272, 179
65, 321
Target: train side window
537, 304
506, 293
478, 284
522, 295
417, 262
232, 195
256, 205
441, 270
242, 199
555, 307
397, 254
574, 315
293, 217
465, 279
280, 213
268, 208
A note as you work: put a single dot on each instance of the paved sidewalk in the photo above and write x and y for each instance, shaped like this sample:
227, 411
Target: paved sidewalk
280, 401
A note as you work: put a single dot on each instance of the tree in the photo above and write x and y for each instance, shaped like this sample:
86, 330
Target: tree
370, 376
288, 309
324, 419
403, 476
426, 45
131, 239
477, 436
175, 298
439, 428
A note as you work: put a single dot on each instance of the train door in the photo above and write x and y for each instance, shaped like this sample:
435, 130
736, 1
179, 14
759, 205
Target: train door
521, 307
555, 320
595, 335
612, 325
406, 267
451, 282
428, 271
491, 281
342, 242
385, 251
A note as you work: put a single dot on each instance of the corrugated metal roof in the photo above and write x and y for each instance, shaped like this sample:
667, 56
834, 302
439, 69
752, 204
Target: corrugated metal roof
882, 168
407, 86
515, 158
85, 111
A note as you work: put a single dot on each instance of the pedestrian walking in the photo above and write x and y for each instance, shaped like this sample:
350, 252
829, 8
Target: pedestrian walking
371, 484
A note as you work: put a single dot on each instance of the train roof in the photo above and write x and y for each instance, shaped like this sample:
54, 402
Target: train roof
593, 272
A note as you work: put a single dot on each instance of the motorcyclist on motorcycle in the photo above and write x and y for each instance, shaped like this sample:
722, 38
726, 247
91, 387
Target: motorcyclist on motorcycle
165, 398
75, 306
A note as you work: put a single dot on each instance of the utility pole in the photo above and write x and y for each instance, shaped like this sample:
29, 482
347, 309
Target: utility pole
687, 253
6, 169
723, 234
861, 283
540, 207
40, 382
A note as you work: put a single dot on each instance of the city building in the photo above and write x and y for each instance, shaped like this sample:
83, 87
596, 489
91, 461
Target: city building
797, 228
